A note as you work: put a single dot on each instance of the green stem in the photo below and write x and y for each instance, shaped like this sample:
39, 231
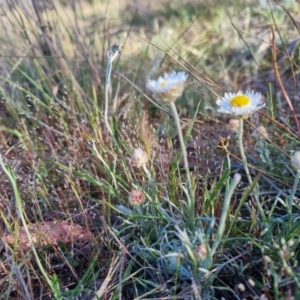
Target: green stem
235, 181
182, 145
229, 167
245, 164
291, 198
243, 156
189, 192
107, 84
111, 55
147, 172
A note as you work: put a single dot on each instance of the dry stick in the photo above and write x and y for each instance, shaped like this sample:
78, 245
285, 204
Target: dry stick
280, 82
287, 50
289, 14
283, 126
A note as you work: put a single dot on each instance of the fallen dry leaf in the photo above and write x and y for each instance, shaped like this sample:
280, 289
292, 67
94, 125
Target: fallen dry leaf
50, 233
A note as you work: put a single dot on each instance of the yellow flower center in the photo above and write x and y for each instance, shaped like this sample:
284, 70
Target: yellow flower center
163, 83
240, 101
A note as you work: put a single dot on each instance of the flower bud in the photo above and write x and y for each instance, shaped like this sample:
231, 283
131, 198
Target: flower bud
295, 159
200, 253
234, 125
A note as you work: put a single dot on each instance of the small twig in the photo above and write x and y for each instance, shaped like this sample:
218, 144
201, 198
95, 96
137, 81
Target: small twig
283, 126
280, 82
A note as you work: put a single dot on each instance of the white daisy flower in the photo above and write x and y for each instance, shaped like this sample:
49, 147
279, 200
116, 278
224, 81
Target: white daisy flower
169, 87
240, 104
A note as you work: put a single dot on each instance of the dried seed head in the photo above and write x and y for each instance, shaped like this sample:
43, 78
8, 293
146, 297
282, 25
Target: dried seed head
139, 158
136, 197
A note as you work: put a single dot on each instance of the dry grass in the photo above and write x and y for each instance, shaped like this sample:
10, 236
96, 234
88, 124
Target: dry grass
64, 164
